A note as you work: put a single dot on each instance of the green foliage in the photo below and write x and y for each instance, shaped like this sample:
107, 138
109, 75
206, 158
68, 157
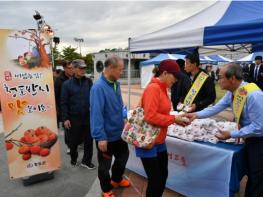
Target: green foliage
89, 61
69, 53
56, 55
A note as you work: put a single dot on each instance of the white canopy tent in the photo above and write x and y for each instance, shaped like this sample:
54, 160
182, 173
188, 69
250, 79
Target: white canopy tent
250, 58
147, 66
225, 26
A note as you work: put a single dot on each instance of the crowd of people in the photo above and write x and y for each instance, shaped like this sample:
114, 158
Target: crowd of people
94, 111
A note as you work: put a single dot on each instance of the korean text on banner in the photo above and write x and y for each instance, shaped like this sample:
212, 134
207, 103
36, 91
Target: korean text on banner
28, 103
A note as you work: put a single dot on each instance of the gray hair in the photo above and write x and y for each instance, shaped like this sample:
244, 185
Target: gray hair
113, 61
234, 69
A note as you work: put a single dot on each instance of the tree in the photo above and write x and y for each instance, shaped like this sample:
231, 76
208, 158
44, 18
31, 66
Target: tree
38, 38
56, 55
89, 61
69, 53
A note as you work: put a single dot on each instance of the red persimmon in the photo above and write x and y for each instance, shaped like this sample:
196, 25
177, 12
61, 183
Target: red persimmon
35, 149
44, 152
24, 149
52, 137
26, 156
9, 145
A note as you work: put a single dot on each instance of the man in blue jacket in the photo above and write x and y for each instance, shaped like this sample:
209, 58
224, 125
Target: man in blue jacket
107, 124
75, 109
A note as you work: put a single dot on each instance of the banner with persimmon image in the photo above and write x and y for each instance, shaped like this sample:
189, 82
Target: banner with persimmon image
28, 103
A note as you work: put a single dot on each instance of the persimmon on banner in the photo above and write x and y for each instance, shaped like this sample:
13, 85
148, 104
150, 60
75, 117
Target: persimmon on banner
28, 103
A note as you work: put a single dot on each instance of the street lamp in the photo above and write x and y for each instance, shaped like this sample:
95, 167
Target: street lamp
43, 27
79, 40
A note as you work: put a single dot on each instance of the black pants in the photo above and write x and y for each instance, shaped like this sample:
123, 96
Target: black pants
66, 133
77, 134
118, 149
156, 169
254, 158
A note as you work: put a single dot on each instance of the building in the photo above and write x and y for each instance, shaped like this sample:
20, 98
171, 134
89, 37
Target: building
99, 59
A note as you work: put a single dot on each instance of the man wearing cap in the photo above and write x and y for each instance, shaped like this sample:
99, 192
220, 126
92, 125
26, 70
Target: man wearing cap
76, 113
256, 72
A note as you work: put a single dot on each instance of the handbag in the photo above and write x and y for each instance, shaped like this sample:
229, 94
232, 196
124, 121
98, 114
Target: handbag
138, 132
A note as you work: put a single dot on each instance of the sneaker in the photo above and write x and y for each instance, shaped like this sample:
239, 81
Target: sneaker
123, 183
81, 146
90, 166
108, 194
73, 163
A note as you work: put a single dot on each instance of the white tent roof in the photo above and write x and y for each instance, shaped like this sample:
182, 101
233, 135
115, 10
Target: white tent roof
233, 25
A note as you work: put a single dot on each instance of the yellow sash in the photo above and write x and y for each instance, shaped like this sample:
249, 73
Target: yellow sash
240, 97
189, 99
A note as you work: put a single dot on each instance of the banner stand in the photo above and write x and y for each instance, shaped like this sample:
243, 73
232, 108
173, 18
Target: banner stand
30, 180
28, 104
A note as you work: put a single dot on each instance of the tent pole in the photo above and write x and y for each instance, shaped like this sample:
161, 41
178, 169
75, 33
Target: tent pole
129, 75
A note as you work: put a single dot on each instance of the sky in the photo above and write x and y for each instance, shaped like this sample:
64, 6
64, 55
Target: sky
102, 24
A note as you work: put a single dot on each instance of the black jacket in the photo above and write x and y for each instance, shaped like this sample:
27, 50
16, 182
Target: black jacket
75, 98
206, 95
212, 75
180, 89
259, 80
58, 86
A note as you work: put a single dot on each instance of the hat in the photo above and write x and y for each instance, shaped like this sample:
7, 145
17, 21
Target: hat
78, 63
170, 66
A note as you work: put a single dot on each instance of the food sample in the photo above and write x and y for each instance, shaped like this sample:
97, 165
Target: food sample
202, 130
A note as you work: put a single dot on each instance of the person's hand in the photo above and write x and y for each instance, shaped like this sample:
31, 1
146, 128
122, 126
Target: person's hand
181, 120
190, 116
125, 121
67, 124
180, 106
193, 108
189, 109
103, 145
223, 135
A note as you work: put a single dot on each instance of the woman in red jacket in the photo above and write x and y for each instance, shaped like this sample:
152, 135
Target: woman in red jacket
157, 105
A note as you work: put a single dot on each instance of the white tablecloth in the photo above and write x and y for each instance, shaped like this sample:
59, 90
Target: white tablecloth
195, 170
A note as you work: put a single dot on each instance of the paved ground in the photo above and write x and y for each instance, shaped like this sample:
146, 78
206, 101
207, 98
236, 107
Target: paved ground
77, 181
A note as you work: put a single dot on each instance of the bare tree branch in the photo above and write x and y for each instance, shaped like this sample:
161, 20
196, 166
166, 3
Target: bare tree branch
23, 38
